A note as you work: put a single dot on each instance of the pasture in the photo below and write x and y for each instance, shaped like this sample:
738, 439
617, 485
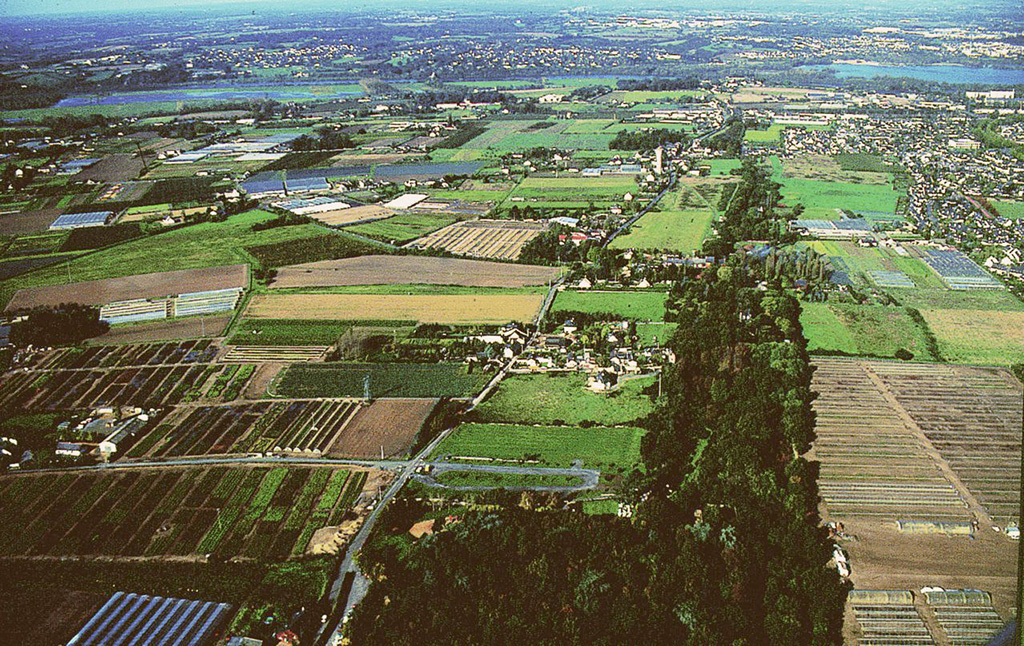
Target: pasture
822, 198
425, 308
1011, 210
564, 399
870, 330
641, 306
571, 192
555, 446
978, 336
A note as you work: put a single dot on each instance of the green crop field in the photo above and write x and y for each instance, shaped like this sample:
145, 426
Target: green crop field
771, 135
571, 192
207, 244
287, 332
404, 227
554, 446
682, 231
1012, 210
564, 399
871, 330
862, 162
821, 199
978, 336
648, 333
642, 306
386, 380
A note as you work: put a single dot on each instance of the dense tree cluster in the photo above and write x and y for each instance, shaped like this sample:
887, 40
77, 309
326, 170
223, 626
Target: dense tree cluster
65, 324
730, 139
749, 213
645, 139
326, 138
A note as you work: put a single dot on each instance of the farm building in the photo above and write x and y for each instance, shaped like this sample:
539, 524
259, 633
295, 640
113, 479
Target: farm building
146, 297
149, 620
833, 229
308, 206
81, 220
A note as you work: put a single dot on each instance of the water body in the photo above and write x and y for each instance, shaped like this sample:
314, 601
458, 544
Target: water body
196, 94
957, 74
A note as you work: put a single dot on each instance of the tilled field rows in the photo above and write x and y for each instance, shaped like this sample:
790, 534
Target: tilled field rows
74, 389
120, 356
250, 512
872, 463
303, 427
973, 417
503, 241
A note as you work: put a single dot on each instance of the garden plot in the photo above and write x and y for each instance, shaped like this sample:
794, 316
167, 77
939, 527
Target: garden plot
499, 239
973, 417
260, 513
275, 354
872, 464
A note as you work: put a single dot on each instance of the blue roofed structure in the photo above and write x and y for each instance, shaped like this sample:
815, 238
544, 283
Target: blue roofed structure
146, 620
80, 220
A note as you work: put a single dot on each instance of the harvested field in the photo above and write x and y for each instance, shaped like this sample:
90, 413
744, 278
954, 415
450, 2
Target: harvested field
387, 426
27, 221
408, 270
353, 215
262, 513
119, 167
499, 239
187, 328
425, 308
156, 285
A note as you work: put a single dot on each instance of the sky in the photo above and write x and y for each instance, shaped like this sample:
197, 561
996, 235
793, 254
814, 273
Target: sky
52, 7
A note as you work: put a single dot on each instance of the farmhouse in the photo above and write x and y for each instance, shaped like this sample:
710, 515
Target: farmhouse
146, 297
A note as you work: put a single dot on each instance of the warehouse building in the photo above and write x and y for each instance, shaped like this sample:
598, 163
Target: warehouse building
81, 220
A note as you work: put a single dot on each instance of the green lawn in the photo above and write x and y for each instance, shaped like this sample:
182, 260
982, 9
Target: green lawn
287, 332
202, 245
651, 332
564, 399
643, 306
554, 446
682, 231
386, 380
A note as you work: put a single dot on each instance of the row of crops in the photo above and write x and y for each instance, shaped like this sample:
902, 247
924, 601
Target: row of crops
261, 513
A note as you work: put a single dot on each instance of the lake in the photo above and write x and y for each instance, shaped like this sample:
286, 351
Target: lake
937, 73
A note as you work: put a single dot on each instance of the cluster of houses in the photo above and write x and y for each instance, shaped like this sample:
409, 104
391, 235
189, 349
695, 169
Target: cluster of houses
105, 432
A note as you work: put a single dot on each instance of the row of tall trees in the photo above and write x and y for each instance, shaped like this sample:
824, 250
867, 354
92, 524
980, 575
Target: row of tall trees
725, 546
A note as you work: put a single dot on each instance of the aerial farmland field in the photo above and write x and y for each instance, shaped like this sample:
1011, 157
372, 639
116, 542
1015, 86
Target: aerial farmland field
397, 270
253, 512
571, 192
498, 239
641, 306
392, 380
426, 308
564, 399
403, 227
557, 446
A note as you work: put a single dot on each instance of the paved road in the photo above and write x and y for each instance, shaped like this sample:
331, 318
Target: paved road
589, 477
